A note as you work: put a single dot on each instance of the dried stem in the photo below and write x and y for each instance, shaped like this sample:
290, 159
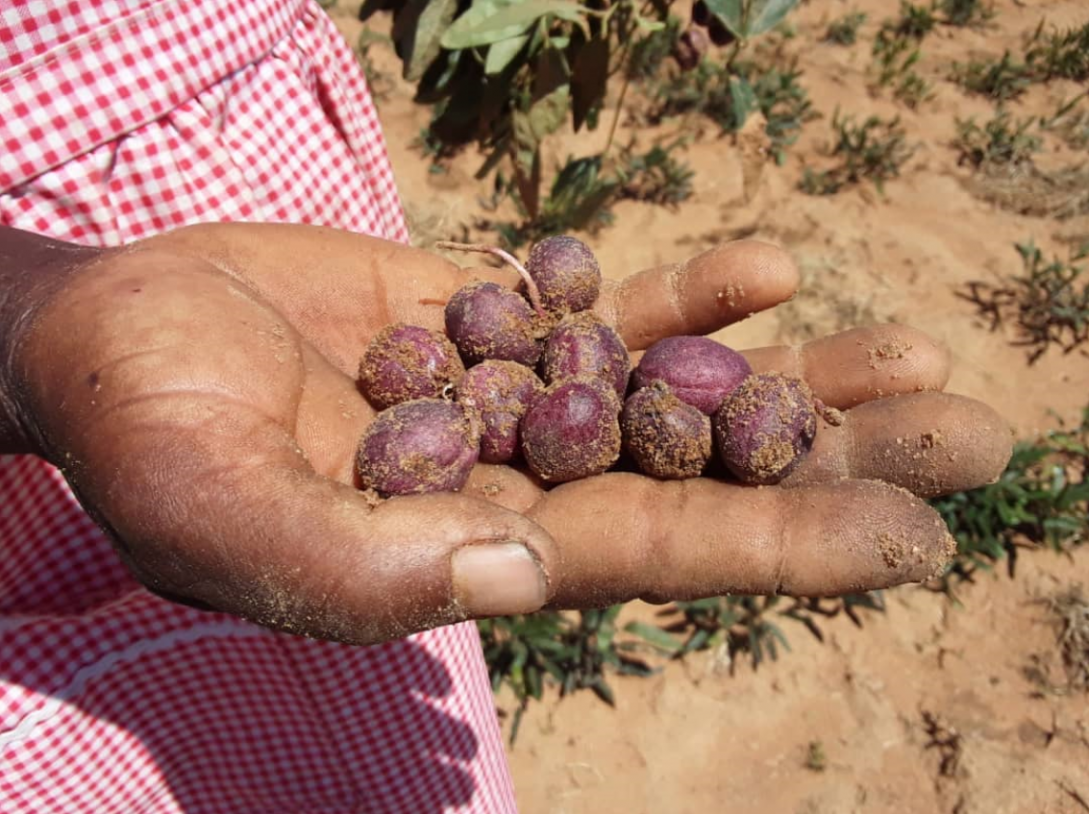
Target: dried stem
506, 257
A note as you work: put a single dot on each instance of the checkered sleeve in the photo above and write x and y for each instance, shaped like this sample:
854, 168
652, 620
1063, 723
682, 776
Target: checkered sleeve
120, 119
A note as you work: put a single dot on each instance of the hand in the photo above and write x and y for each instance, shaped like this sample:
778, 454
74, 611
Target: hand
198, 391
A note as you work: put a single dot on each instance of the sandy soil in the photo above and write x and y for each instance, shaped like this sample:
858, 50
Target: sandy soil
876, 700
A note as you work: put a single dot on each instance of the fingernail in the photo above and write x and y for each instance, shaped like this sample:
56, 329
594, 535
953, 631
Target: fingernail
494, 579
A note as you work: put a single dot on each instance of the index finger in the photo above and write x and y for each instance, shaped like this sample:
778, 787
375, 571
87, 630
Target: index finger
719, 287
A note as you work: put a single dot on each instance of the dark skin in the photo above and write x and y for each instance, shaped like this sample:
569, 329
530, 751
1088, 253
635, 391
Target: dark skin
198, 391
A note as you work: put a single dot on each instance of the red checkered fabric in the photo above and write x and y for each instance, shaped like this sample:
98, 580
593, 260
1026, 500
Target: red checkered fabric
119, 120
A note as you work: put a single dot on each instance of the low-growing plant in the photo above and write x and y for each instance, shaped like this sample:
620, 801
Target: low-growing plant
1002, 79
874, 150
526, 652
844, 31
1070, 122
914, 22
583, 191
728, 95
965, 12
1041, 500
1059, 54
748, 625
1048, 302
895, 58
1001, 142
655, 176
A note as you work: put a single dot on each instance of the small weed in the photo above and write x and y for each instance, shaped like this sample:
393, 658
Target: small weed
815, 759
728, 95
1048, 302
1000, 142
844, 31
1042, 497
874, 150
962, 13
947, 740
524, 652
735, 625
1001, 80
579, 200
655, 176
649, 52
1070, 122
914, 23
1060, 54
895, 59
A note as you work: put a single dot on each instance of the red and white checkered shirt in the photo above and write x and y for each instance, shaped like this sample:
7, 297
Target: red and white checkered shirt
120, 119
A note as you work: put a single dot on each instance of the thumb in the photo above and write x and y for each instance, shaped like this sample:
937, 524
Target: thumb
275, 543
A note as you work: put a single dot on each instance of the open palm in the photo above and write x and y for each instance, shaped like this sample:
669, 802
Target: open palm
198, 390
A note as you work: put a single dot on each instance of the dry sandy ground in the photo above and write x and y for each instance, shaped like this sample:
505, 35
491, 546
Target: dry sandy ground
696, 739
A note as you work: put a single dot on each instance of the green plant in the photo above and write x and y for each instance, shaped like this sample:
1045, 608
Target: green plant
965, 12
728, 95
1049, 301
1002, 80
648, 53
579, 199
1041, 498
815, 758
844, 31
525, 652
1070, 122
895, 58
874, 150
915, 22
1000, 142
655, 176
1060, 54
734, 625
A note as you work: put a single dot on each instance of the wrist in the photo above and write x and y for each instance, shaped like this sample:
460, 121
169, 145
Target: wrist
33, 269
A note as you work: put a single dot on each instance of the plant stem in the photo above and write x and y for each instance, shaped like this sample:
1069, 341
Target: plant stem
506, 257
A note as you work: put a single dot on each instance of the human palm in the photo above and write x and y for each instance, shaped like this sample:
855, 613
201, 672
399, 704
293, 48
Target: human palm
198, 390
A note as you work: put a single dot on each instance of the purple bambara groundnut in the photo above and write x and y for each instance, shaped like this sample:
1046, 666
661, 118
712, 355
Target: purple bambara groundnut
572, 431
566, 272
405, 362
424, 445
501, 393
666, 437
486, 321
698, 370
583, 345
765, 427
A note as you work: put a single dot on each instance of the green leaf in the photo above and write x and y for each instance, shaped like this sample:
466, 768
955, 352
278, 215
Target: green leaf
742, 101
654, 636
491, 21
766, 14
501, 53
730, 13
418, 32
603, 691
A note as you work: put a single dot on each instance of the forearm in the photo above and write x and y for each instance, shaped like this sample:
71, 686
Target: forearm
32, 269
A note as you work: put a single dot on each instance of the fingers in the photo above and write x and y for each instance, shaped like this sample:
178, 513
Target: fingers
625, 537
721, 286
929, 443
855, 366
